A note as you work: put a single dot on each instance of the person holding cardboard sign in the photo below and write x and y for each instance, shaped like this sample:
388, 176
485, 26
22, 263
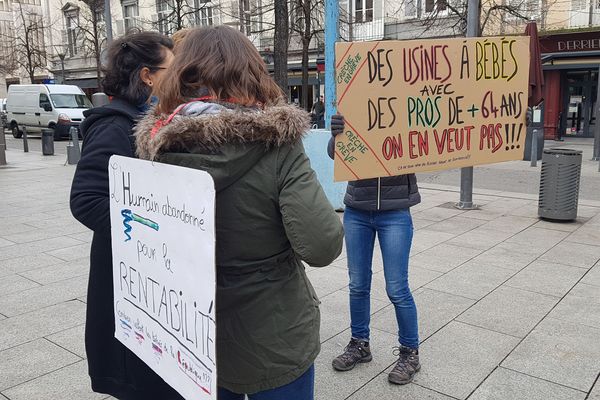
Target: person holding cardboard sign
221, 112
379, 206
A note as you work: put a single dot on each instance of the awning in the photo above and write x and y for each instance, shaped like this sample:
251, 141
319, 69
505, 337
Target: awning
570, 60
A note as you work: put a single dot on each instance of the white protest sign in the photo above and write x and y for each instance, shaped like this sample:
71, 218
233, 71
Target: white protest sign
163, 243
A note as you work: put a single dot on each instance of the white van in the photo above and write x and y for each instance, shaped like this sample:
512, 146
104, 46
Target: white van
37, 107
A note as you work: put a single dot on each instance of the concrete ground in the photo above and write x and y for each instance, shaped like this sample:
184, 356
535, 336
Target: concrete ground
509, 305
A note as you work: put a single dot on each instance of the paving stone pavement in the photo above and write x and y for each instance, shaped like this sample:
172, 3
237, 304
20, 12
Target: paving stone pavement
509, 305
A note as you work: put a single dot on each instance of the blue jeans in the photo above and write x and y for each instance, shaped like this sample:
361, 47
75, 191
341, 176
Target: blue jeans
395, 231
302, 388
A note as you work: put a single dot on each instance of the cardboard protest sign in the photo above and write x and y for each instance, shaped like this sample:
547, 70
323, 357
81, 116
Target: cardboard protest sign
163, 242
413, 106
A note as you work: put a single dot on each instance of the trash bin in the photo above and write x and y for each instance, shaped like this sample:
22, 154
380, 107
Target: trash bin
559, 184
48, 142
315, 145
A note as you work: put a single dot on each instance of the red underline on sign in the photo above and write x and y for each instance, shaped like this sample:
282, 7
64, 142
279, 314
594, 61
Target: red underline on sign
344, 56
355, 75
368, 145
345, 165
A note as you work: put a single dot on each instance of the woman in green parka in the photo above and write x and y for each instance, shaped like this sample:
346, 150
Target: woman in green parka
221, 112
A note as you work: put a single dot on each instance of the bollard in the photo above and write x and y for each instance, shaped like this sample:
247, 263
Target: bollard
534, 145
73, 152
2, 149
48, 142
25, 143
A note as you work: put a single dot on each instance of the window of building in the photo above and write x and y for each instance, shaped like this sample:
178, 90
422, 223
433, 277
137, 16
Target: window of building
164, 10
363, 10
204, 12
247, 13
7, 44
130, 15
523, 9
296, 16
31, 2
410, 9
72, 29
435, 5
4, 5
36, 27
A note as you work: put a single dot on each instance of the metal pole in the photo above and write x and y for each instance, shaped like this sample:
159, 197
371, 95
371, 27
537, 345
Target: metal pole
596, 156
62, 68
2, 148
534, 145
108, 21
466, 174
332, 34
25, 144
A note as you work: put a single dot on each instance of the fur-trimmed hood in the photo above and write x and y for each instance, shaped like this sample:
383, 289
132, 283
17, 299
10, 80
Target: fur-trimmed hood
206, 127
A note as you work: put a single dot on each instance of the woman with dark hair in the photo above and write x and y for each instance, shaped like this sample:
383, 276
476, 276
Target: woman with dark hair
221, 112
135, 64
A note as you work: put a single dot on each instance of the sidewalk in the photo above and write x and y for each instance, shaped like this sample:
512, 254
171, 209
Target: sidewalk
509, 305
519, 176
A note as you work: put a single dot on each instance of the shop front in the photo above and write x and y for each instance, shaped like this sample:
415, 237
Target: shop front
571, 63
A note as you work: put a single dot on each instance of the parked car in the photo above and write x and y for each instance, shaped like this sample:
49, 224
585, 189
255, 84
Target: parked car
37, 107
3, 116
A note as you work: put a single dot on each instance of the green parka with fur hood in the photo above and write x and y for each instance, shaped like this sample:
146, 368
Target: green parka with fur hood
271, 214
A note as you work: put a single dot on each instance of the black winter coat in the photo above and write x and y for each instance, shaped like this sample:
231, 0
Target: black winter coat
112, 367
388, 193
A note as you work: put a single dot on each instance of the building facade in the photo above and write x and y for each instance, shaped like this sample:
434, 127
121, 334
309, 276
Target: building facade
571, 62
72, 33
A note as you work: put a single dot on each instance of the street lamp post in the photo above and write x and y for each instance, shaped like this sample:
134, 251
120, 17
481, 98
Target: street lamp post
62, 67
61, 53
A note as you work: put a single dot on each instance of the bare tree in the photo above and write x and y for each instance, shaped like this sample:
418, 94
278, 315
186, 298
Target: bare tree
307, 23
8, 60
91, 32
28, 40
281, 43
492, 13
174, 15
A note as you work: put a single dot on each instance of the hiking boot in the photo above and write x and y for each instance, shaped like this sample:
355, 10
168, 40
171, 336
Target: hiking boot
406, 367
357, 351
